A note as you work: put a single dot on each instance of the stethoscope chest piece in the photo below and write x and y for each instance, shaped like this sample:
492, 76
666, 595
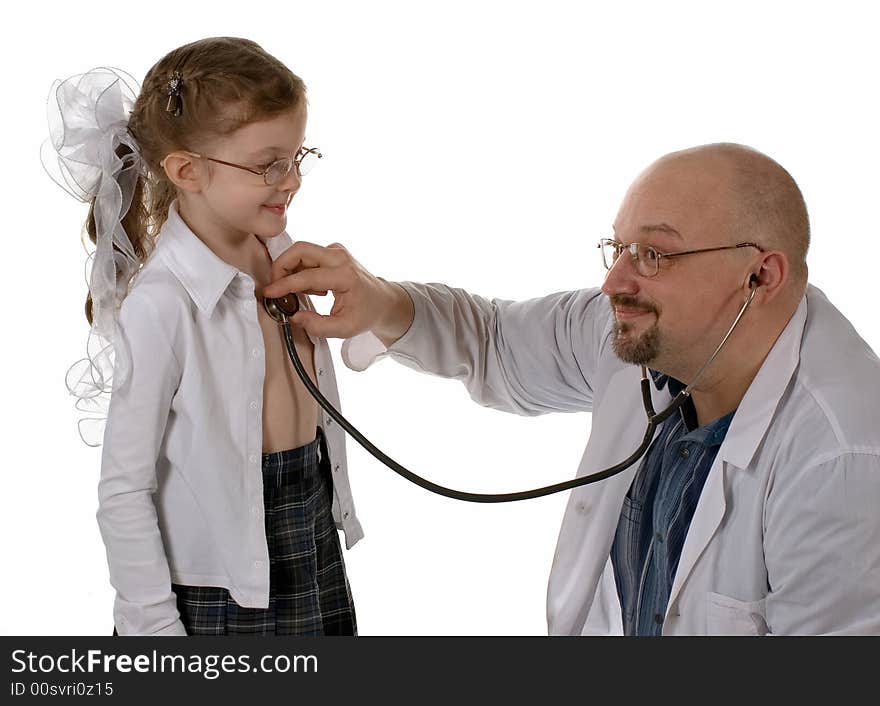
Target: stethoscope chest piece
282, 307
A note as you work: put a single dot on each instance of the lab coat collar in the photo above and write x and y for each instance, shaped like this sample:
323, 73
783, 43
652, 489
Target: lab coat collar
753, 416
202, 273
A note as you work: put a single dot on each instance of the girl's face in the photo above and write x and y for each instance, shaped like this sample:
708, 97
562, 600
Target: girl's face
240, 203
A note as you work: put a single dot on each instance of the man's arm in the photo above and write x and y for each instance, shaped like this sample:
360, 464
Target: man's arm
529, 357
397, 317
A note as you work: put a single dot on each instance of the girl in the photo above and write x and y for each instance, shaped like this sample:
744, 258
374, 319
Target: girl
222, 487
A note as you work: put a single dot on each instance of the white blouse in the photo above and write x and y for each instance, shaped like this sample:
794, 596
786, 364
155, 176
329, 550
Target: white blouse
181, 491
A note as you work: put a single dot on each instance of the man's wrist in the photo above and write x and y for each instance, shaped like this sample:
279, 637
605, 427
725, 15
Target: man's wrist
399, 313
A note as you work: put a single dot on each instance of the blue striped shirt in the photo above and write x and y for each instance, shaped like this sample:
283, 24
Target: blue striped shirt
657, 512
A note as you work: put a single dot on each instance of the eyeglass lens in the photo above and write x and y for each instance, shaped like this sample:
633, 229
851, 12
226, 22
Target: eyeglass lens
646, 260
308, 162
279, 170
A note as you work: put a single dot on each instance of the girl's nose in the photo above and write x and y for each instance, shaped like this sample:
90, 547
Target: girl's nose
291, 182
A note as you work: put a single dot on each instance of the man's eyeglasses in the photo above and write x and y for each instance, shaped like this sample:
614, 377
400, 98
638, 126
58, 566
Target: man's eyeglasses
646, 258
303, 162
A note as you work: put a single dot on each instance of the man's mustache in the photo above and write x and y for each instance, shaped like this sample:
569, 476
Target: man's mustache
624, 300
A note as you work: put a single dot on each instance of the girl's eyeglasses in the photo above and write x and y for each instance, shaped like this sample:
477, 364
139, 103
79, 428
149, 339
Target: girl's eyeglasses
304, 162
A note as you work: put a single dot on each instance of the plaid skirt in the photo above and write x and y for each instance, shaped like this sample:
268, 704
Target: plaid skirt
308, 589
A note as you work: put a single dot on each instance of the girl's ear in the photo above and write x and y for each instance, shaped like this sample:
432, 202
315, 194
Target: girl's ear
185, 171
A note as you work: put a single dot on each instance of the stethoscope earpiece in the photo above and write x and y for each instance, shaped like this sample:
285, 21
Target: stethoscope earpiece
281, 308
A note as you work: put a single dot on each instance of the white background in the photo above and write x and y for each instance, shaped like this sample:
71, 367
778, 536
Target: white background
482, 144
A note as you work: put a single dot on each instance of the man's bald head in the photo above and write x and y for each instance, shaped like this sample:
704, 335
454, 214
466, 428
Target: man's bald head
766, 205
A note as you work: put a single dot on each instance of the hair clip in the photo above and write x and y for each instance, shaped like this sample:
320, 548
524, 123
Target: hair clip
175, 100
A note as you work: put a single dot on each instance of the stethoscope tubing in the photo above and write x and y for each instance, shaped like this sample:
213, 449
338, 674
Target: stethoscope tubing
434, 487
653, 421
281, 309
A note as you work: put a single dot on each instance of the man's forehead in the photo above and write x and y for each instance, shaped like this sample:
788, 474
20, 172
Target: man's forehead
659, 228
673, 203
649, 229
661, 235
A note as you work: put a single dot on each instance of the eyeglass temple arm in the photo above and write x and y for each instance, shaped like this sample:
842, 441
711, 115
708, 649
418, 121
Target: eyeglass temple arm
723, 247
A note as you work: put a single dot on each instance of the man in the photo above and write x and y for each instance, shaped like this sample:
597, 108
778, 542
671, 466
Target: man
757, 507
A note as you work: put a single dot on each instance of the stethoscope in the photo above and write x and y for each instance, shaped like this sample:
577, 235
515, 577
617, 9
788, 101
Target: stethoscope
282, 308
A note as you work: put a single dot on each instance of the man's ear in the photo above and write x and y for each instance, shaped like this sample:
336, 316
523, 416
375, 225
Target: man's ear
772, 275
185, 171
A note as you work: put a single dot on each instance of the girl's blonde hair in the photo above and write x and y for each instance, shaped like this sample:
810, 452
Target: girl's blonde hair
226, 83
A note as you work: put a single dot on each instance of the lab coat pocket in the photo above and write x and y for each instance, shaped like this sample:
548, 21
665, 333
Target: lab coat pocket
728, 616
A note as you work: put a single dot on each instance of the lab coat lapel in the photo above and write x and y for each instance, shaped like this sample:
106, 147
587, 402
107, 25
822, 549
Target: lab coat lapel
707, 518
750, 424
593, 511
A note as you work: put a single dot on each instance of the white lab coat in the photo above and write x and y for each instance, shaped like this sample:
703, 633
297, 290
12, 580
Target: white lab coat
785, 538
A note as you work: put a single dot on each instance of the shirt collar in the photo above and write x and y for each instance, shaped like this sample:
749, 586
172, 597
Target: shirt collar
662, 379
202, 273
711, 434
686, 412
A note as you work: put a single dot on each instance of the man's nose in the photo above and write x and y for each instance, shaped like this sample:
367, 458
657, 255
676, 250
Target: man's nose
622, 278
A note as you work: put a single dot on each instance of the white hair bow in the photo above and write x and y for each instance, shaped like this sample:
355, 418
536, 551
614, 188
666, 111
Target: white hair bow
88, 122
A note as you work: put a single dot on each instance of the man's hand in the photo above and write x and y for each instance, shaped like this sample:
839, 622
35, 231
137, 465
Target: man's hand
362, 301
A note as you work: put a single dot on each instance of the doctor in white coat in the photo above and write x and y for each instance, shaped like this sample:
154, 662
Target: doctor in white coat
784, 536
